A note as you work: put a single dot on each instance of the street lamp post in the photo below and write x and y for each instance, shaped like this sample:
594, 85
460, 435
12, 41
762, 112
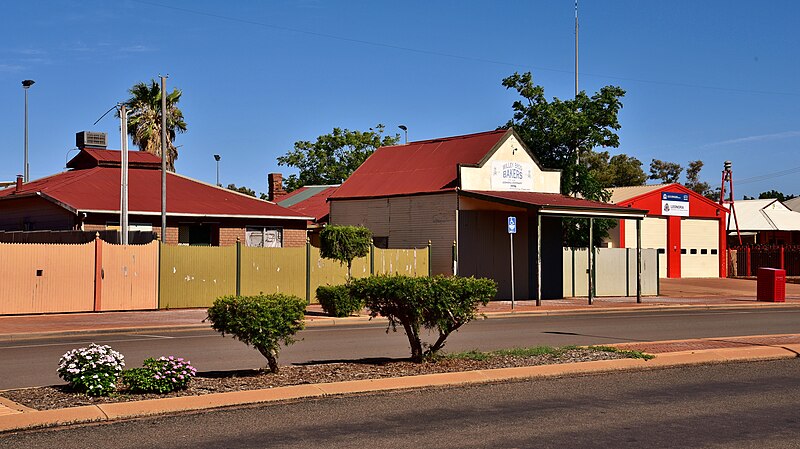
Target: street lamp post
405, 131
217, 158
26, 84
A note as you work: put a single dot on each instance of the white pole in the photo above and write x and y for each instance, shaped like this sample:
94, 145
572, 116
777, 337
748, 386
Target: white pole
511, 237
123, 209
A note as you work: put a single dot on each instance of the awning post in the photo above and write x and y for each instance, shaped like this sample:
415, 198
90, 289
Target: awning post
639, 261
538, 259
591, 259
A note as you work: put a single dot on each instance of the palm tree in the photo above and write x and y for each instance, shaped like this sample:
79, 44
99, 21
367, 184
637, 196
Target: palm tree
144, 120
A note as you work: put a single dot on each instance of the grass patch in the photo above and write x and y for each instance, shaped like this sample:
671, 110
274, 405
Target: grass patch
625, 352
536, 351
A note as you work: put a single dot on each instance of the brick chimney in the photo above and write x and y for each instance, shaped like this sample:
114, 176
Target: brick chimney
19, 183
275, 182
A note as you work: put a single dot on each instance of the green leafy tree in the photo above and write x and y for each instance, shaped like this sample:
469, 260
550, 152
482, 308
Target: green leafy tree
247, 191
333, 157
561, 134
775, 194
619, 170
263, 321
442, 304
693, 179
667, 172
144, 120
345, 243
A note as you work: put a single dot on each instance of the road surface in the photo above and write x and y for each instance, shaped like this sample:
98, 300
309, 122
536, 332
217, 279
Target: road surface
34, 362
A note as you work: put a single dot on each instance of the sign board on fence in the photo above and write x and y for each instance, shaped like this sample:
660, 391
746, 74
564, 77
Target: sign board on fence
512, 225
673, 203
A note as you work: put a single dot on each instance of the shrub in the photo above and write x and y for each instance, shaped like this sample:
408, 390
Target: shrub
441, 303
336, 300
160, 375
93, 370
262, 321
345, 243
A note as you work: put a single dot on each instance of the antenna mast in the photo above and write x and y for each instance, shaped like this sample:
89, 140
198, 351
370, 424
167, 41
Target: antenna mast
727, 178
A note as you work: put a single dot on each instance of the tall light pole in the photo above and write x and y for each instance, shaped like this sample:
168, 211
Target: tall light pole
26, 84
217, 158
405, 131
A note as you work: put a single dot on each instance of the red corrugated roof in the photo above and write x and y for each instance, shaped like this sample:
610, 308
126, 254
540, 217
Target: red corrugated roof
98, 189
93, 157
314, 206
554, 200
417, 167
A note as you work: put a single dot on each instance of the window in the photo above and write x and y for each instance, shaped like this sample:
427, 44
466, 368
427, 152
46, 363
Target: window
194, 235
264, 237
683, 250
693, 251
713, 251
662, 251
703, 251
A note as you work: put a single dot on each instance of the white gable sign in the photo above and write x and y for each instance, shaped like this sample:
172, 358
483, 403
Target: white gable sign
512, 175
673, 203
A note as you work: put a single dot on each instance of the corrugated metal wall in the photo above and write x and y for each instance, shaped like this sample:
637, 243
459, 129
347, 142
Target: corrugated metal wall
130, 277
273, 270
194, 276
331, 272
411, 262
38, 278
615, 272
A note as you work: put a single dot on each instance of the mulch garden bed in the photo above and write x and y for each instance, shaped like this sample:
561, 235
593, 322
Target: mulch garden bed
61, 396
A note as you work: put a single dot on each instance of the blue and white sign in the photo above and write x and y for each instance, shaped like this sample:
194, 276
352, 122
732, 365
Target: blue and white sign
512, 225
673, 203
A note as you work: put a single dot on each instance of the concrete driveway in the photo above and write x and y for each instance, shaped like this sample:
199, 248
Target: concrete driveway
717, 288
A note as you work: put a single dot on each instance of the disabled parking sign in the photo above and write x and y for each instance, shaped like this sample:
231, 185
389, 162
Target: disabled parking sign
512, 225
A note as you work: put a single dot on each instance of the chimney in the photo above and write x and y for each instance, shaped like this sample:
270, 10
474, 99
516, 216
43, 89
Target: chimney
19, 183
275, 182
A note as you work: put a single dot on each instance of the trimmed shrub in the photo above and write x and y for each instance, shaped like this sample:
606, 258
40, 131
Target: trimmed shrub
437, 303
336, 300
161, 375
93, 370
262, 321
345, 243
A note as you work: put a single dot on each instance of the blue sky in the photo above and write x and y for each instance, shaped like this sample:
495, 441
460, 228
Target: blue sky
710, 80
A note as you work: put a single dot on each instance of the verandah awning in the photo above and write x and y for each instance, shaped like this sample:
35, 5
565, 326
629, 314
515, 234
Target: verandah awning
555, 204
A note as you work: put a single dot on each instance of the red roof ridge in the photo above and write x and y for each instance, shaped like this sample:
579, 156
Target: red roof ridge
31, 187
447, 139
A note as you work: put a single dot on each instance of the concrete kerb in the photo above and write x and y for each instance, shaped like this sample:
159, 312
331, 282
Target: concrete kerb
363, 319
27, 419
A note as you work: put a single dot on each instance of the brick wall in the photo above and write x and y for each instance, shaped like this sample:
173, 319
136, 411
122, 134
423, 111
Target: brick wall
294, 237
228, 236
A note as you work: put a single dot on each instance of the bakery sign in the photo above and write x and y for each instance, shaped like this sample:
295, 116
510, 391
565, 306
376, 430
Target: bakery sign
673, 203
510, 175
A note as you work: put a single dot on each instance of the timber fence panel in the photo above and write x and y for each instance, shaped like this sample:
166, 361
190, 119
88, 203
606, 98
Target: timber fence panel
46, 278
581, 274
194, 276
273, 270
410, 262
129, 277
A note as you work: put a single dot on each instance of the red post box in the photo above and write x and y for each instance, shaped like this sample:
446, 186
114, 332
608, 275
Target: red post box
771, 285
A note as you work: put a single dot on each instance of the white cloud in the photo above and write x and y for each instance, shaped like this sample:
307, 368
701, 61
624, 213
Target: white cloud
758, 138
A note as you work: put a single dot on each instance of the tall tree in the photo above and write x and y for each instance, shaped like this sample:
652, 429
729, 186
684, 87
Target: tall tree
619, 170
563, 132
693, 178
775, 194
667, 172
144, 120
333, 157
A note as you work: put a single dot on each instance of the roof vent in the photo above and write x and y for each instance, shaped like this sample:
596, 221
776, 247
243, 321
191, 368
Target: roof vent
91, 139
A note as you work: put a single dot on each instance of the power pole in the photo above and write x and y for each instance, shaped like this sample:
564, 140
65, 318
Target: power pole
163, 158
123, 206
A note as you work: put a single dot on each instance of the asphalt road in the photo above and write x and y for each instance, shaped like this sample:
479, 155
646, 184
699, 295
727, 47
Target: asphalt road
741, 405
34, 362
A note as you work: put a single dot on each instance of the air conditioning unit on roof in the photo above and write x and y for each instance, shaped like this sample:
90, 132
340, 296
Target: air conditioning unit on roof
91, 139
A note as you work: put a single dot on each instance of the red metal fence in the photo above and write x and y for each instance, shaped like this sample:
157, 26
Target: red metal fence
750, 258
